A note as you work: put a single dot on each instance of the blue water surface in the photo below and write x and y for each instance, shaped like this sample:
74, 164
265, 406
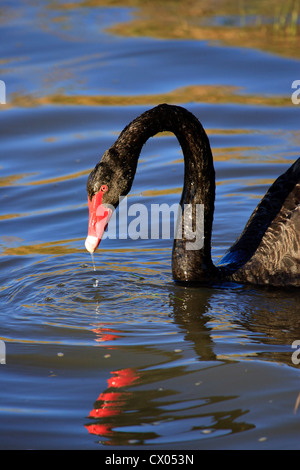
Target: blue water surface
121, 357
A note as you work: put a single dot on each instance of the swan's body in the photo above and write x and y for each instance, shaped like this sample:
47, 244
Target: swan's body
267, 252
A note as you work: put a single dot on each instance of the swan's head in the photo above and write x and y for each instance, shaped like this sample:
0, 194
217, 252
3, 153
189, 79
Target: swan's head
106, 184
99, 216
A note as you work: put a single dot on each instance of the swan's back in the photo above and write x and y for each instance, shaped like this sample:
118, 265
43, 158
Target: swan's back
268, 251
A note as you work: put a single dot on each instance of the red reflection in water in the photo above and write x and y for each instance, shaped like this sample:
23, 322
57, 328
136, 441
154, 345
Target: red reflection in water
111, 403
99, 429
106, 334
122, 378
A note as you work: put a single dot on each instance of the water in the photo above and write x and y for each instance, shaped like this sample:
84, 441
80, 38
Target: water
93, 261
108, 352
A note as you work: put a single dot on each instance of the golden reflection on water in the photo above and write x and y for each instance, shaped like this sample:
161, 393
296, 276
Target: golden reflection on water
266, 25
195, 93
55, 248
16, 180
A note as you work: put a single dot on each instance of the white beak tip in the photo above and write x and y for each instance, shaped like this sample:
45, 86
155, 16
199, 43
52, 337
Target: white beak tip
91, 243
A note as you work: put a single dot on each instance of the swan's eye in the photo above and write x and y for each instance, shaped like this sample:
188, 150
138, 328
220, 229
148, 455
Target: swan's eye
104, 188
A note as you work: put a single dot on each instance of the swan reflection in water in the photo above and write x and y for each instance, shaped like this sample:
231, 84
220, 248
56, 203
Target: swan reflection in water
142, 405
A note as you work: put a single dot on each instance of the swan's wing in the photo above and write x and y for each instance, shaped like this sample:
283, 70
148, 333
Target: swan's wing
268, 251
277, 258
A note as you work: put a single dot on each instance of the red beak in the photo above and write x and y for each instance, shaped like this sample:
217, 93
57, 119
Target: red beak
99, 216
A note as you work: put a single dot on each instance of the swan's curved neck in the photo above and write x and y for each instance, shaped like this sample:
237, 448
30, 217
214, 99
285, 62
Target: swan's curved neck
199, 178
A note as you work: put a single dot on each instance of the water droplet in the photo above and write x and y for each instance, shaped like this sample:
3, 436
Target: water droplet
93, 261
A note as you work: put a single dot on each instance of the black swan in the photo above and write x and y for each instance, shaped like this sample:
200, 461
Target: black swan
268, 250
